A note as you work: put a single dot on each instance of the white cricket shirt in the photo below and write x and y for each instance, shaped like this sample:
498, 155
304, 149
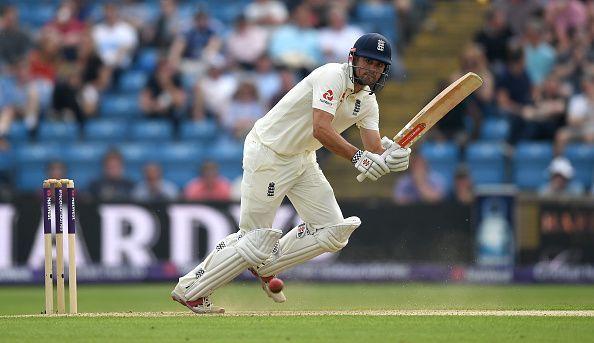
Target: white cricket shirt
287, 128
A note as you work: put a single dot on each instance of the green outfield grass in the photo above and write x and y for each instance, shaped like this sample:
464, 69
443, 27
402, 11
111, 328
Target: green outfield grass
260, 326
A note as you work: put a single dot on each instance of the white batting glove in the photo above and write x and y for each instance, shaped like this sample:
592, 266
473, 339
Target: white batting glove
397, 157
371, 165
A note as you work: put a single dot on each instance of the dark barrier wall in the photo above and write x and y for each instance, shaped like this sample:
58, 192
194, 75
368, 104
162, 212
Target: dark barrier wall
143, 234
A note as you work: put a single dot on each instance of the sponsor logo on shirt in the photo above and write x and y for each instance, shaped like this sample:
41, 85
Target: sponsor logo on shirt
328, 97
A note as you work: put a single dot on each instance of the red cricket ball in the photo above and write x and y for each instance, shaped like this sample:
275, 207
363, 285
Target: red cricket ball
276, 285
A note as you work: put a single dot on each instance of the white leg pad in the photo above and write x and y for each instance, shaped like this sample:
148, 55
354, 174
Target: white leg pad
303, 243
232, 256
256, 245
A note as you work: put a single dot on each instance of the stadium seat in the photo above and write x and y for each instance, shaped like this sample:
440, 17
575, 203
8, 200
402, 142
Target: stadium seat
132, 81
34, 153
531, 161
147, 60
58, 131
486, 162
180, 175
442, 158
18, 133
36, 15
87, 153
495, 129
582, 159
120, 106
135, 156
151, 130
83, 175
228, 154
379, 17
32, 160
198, 131
106, 130
180, 161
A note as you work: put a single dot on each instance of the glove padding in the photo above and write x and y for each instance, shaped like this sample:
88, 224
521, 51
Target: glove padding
371, 165
397, 157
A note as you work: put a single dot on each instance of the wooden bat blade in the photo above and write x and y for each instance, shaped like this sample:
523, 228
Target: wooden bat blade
437, 108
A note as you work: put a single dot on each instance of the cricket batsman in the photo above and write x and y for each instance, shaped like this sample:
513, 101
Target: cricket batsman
280, 160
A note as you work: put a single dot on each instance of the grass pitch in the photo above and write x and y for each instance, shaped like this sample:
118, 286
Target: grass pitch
313, 313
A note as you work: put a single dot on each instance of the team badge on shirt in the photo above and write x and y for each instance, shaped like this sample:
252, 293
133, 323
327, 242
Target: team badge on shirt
357, 107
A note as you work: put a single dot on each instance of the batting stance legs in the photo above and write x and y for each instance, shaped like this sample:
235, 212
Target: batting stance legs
267, 178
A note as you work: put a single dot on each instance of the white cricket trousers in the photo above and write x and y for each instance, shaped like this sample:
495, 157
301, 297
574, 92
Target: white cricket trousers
268, 177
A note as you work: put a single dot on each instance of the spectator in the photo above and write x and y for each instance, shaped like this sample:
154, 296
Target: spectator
419, 184
192, 50
56, 170
163, 95
112, 185
115, 40
15, 42
494, 38
547, 114
213, 92
518, 12
18, 99
296, 45
566, 15
287, 82
267, 79
267, 13
154, 187
540, 56
77, 94
244, 110
44, 62
473, 60
338, 38
209, 186
514, 92
560, 180
580, 117
574, 57
161, 33
246, 43
463, 191
136, 13
68, 29
454, 126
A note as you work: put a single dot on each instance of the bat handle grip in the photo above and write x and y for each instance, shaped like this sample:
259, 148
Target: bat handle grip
393, 147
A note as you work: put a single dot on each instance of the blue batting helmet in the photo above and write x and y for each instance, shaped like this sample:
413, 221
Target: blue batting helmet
375, 47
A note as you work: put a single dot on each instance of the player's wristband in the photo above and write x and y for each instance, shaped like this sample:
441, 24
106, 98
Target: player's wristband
356, 156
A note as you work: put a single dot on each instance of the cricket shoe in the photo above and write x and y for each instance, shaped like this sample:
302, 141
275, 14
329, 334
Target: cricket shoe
201, 305
278, 297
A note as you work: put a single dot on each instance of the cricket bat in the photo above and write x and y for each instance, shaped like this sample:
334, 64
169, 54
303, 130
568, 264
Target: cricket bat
436, 109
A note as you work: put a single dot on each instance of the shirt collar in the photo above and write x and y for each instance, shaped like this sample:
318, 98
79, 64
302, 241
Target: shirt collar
349, 82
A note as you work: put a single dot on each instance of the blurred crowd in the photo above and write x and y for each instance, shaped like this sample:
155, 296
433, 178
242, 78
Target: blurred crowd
536, 58
226, 62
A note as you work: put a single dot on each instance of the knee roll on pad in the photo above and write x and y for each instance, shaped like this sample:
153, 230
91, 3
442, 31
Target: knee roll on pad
303, 243
256, 246
231, 257
336, 237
